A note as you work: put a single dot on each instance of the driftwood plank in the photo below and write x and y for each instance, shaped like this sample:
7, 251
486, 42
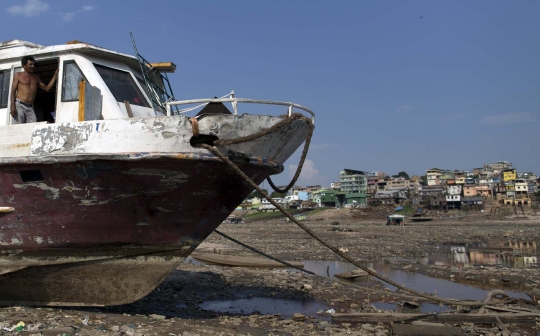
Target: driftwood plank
514, 310
419, 330
518, 318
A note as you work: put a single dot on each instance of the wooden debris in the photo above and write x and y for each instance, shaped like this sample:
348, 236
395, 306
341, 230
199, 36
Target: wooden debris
425, 330
514, 310
358, 273
502, 327
517, 318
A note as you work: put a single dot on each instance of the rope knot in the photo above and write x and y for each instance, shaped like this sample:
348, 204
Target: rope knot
194, 126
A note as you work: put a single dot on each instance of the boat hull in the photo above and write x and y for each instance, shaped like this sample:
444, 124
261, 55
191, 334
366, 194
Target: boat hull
97, 223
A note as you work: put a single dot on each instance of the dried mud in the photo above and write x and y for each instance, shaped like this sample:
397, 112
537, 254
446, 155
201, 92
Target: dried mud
291, 302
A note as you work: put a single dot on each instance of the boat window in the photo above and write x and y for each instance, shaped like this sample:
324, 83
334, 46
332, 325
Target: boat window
5, 77
147, 91
122, 85
70, 83
144, 86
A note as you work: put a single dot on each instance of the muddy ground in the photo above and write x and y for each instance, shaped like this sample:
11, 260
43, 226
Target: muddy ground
199, 299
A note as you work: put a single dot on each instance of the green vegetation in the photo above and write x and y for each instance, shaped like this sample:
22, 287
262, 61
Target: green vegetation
276, 194
407, 210
261, 214
276, 214
257, 194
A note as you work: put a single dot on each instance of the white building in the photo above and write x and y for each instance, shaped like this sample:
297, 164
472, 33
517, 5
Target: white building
434, 176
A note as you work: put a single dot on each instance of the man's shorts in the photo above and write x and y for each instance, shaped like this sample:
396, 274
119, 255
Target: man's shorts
25, 113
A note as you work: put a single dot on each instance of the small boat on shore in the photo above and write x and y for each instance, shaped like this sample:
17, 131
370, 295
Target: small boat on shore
108, 192
420, 216
420, 219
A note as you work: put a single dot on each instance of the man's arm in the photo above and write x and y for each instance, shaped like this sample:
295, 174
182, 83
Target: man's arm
13, 93
51, 83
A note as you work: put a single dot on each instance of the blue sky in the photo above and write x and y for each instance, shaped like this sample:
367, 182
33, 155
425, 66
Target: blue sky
396, 85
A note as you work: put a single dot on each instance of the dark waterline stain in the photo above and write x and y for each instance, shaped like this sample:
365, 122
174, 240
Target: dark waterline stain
264, 306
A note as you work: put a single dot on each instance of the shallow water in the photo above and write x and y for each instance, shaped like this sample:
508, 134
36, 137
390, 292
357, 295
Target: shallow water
286, 307
420, 282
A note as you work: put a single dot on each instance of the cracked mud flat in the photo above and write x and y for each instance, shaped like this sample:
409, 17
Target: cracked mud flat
199, 299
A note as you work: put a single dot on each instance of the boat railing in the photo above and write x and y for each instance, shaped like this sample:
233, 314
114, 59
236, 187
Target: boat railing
234, 101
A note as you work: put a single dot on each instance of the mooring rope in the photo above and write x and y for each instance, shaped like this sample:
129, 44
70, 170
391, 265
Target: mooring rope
226, 160
311, 127
373, 290
284, 122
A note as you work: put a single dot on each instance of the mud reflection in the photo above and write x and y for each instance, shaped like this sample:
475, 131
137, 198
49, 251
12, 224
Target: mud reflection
420, 282
519, 254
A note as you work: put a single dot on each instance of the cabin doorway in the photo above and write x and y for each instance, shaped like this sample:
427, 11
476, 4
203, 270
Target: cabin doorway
45, 102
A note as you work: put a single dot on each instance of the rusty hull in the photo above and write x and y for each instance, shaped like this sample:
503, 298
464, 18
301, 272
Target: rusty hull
104, 210
107, 232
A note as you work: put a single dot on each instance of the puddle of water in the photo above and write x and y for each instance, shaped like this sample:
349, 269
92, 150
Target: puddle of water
328, 268
519, 254
265, 306
420, 282
441, 287
193, 261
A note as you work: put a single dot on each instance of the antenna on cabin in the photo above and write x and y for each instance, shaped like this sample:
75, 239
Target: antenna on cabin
158, 88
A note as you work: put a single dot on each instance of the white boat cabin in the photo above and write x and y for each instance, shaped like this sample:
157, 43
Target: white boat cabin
112, 85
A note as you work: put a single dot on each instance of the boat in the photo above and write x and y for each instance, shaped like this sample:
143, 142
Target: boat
420, 216
110, 190
395, 219
420, 219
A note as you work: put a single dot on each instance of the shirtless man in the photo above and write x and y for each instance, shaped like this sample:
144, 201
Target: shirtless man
23, 91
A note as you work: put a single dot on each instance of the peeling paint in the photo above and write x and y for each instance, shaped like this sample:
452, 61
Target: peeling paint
169, 178
71, 188
95, 202
167, 135
51, 192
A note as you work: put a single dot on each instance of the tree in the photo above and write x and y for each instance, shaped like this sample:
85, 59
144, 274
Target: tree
255, 193
403, 174
423, 179
277, 194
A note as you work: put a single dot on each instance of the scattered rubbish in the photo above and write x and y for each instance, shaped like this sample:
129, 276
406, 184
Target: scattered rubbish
330, 311
343, 250
409, 306
358, 273
85, 320
18, 327
306, 287
298, 317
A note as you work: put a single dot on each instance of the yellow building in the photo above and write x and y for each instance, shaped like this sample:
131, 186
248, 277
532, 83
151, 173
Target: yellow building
509, 175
